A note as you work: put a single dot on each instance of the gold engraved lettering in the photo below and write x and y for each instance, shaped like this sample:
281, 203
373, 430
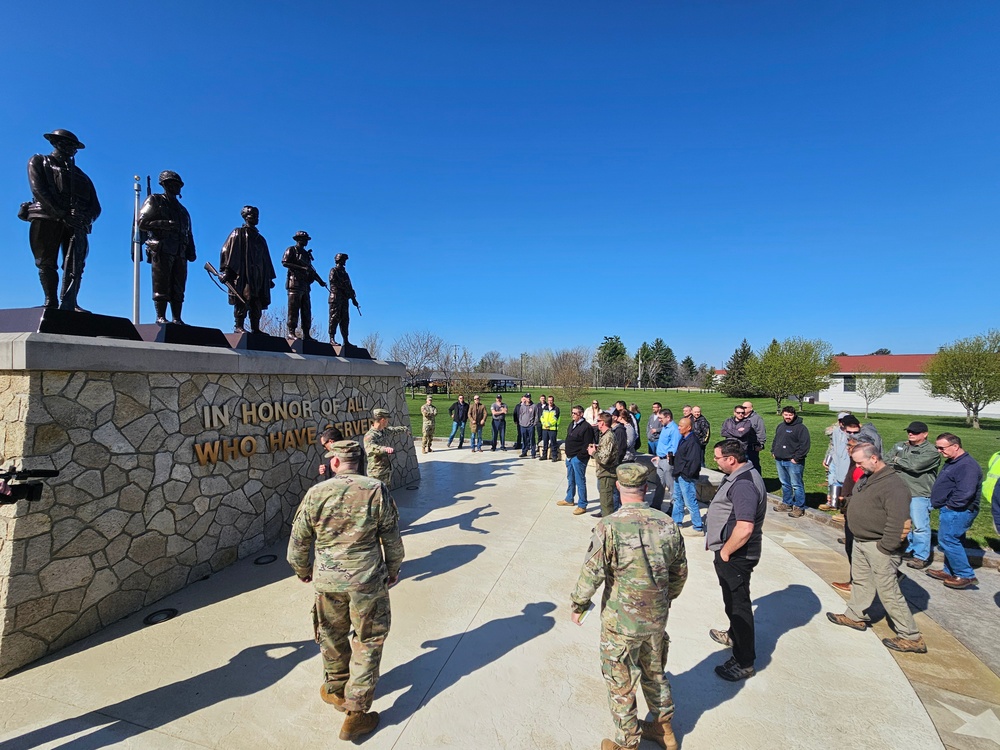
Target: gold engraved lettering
248, 446
307, 409
230, 449
295, 409
274, 441
265, 412
207, 452
280, 411
249, 413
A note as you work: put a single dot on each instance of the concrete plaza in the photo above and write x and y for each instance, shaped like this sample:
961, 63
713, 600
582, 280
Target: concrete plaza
482, 652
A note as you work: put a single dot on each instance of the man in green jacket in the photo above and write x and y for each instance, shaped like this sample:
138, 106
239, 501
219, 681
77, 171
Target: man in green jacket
878, 515
916, 461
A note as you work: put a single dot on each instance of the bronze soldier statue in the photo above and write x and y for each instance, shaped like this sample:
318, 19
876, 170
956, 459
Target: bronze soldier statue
63, 209
246, 264
341, 294
170, 245
301, 274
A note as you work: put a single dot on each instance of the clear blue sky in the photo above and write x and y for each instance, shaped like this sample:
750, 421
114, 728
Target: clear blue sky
521, 175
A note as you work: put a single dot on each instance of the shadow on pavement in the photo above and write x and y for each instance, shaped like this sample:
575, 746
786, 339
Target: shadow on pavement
464, 521
253, 669
700, 690
481, 646
440, 561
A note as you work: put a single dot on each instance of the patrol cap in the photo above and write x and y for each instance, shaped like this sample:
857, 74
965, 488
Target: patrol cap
379, 413
65, 135
632, 474
301, 235
167, 175
917, 427
344, 449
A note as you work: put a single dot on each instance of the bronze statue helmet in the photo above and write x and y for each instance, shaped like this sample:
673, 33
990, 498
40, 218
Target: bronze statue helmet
167, 175
66, 135
300, 235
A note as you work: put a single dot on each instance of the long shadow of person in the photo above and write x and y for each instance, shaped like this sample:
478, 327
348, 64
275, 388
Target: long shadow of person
465, 521
435, 671
700, 690
440, 561
251, 670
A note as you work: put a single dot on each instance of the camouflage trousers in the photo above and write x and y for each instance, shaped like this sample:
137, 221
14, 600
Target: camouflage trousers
628, 660
350, 629
428, 436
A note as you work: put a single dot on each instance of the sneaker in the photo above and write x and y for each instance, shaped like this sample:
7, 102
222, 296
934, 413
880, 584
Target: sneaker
579, 511
846, 621
565, 504
905, 645
733, 672
961, 583
797, 512
844, 586
782, 508
721, 637
917, 564
449, 443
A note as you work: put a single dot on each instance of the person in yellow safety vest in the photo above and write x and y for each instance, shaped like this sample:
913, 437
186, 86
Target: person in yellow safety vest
550, 427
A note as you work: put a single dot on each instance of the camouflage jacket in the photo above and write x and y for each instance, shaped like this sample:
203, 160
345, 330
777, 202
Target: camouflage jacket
429, 412
355, 526
606, 455
375, 444
638, 554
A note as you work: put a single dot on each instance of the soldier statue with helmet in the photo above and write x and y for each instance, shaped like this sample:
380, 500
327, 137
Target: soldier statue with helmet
298, 259
64, 206
169, 245
341, 295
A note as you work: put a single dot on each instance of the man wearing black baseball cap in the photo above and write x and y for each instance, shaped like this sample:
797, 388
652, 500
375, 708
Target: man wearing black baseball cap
916, 461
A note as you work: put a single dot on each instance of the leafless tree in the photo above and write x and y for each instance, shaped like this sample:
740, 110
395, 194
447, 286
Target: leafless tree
418, 351
373, 343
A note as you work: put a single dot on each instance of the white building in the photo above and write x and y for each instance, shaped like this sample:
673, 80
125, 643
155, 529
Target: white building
906, 394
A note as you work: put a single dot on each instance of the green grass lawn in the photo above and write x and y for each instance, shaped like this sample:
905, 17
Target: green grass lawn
717, 408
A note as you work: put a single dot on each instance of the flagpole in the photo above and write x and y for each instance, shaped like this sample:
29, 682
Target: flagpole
136, 254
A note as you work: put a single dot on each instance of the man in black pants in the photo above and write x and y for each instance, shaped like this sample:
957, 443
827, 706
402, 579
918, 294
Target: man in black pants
735, 527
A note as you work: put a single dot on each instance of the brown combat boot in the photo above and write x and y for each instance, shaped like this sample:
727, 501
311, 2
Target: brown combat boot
358, 724
659, 732
335, 699
607, 744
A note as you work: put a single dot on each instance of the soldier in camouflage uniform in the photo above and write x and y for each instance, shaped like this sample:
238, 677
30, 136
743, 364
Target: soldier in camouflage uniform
377, 450
355, 526
606, 458
429, 411
638, 554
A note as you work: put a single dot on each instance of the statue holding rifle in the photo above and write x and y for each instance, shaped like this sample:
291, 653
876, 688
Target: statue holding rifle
301, 274
169, 245
246, 269
341, 295
64, 207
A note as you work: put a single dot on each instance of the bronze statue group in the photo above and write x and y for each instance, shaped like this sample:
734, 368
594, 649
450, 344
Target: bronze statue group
64, 207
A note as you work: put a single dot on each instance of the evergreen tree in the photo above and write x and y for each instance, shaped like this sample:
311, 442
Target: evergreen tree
735, 382
688, 371
664, 355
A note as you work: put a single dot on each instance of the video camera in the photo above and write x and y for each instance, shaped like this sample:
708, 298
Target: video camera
21, 487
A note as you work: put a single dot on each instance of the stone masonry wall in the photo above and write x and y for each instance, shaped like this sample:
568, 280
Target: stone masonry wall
133, 514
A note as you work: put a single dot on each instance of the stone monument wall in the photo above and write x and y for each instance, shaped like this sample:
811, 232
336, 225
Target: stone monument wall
173, 463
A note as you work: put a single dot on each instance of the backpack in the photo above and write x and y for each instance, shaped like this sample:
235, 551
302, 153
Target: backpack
992, 475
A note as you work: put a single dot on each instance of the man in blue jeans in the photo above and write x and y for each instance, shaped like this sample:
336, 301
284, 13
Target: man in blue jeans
687, 470
956, 494
459, 412
789, 449
578, 436
916, 461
